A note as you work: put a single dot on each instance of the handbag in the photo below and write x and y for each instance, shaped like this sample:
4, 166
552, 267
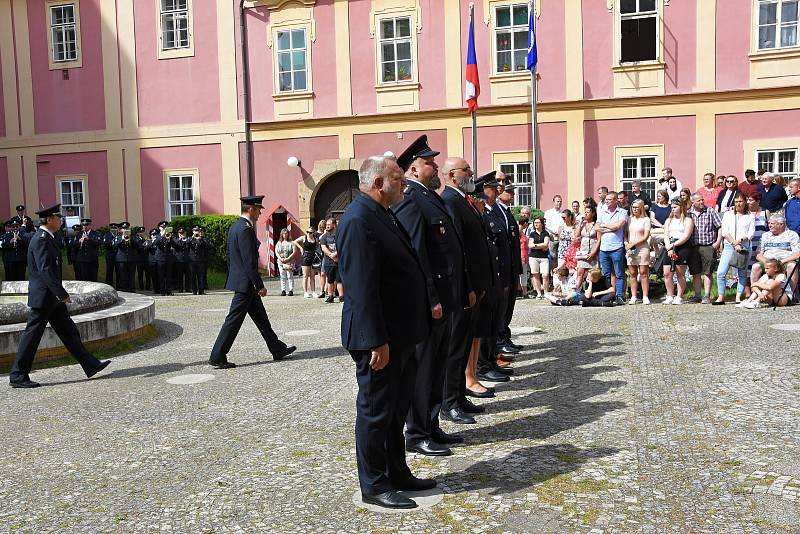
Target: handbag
739, 258
660, 259
317, 263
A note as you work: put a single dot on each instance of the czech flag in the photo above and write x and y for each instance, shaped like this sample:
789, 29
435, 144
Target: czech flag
473, 88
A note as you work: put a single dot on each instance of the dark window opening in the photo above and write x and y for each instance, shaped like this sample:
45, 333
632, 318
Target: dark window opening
638, 40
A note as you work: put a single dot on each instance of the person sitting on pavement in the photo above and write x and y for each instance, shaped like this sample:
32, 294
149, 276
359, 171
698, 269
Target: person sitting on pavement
780, 244
679, 229
599, 292
769, 289
565, 289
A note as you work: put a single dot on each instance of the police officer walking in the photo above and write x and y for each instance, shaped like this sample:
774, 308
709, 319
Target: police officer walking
424, 216
386, 313
47, 300
85, 246
248, 287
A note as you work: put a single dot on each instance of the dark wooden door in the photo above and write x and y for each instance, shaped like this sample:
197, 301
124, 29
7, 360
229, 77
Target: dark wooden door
334, 195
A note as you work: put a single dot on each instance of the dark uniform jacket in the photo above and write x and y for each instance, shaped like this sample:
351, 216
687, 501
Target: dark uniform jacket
125, 250
139, 249
165, 248
243, 275
44, 282
182, 251
15, 251
496, 223
513, 241
108, 245
386, 300
469, 226
86, 252
25, 223
439, 249
199, 249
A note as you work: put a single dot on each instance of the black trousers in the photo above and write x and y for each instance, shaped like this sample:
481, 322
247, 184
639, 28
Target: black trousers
462, 329
58, 317
181, 273
505, 333
244, 304
143, 275
110, 268
381, 407
86, 271
487, 359
152, 269
165, 277
125, 272
197, 275
431, 356
15, 271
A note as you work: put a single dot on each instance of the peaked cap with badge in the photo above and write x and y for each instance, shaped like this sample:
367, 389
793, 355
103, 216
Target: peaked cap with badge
418, 149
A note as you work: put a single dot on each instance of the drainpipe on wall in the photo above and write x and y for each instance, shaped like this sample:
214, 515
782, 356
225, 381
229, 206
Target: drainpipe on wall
248, 136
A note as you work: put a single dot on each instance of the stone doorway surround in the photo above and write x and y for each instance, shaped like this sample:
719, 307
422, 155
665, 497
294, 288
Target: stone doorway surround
311, 182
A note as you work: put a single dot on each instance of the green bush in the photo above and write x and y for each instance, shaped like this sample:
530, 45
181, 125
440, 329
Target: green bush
216, 227
534, 212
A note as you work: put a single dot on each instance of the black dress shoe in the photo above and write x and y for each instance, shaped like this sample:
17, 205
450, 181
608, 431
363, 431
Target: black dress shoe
514, 345
469, 407
440, 436
505, 349
389, 499
480, 395
413, 483
99, 368
222, 365
507, 371
24, 384
284, 353
428, 448
457, 415
493, 376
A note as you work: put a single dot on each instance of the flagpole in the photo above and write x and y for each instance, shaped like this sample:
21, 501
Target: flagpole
474, 115
534, 128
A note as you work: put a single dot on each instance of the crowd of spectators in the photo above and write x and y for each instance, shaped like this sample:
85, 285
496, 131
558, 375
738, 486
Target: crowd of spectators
605, 251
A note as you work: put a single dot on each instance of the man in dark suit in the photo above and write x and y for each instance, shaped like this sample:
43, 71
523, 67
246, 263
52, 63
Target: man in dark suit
125, 258
140, 259
111, 252
181, 269
440, 251
15, 251
466, 330
164, 244
47, 300
199, 252
85, 245
245, 281
505, 198
386, 313
25, 222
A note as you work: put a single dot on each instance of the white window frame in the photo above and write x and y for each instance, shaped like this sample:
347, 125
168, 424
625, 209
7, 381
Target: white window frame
779, 23
394, 41
638, 14
175, 52
776, 161
194, 202
519, 186
511, 30
53, 62
644, 179
82, 207
291, 51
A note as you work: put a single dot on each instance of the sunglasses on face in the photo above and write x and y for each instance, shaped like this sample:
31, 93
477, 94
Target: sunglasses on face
730, 182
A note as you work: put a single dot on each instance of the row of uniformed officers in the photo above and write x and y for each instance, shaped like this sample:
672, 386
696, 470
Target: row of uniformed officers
431, 283
162, 260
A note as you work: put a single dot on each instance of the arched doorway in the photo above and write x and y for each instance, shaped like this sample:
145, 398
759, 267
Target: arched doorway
334, 195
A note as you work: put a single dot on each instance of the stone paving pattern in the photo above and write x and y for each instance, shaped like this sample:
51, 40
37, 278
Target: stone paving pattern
630, 419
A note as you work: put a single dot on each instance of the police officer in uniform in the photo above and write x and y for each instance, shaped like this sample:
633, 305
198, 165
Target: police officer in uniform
165, 257
467, 327
111, 252
25, 222
85, 246
505, 199
182, 283
199, 252
152, 263
15, 251
440, 251
140, 259
47, 300
125, 258
386, 313
248, 287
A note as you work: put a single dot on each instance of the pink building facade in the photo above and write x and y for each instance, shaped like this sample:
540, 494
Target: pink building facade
135, 110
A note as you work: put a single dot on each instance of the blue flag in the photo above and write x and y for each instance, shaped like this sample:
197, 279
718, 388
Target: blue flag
533, 55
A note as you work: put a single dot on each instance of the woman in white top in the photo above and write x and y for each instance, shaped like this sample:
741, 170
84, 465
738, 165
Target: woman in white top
637, 246
678, 231
737, 230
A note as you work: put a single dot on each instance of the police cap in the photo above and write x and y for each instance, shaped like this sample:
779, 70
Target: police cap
253, 200
55, 209
417, 149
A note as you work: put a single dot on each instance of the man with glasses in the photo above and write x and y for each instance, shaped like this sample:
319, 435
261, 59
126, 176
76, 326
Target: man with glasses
706, 240
47, 300
610, 229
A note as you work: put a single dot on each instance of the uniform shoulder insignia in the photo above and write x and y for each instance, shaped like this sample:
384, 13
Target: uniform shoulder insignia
407, 189
41, 234
491, 224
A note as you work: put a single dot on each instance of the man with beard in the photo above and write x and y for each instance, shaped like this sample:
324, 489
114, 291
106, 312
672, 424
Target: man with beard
386, 313
424, 216
467, 328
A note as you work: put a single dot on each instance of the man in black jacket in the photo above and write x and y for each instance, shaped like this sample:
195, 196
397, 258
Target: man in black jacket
111, 252
440, 251
140, 270
181, 269
199, 252
248, 287
504, 201
85, 246
125, 258
164, 244
47, 300
386, 313
15, 251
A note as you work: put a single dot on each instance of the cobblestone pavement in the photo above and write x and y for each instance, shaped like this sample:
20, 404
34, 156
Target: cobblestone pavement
630, 419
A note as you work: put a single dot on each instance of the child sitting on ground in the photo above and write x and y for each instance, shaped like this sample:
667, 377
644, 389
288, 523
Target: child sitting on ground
769, 287
599, 292
565, 289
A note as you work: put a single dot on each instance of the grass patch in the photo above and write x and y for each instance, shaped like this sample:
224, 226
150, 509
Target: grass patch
457, 504
300, 453
731, 463
567, 458
552, 490
590, 517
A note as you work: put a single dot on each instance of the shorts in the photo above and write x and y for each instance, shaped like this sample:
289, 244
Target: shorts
539, 265
701, 259
332, 273
641, 256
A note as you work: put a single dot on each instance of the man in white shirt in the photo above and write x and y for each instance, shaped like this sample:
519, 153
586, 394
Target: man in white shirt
780, 244
552, 220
